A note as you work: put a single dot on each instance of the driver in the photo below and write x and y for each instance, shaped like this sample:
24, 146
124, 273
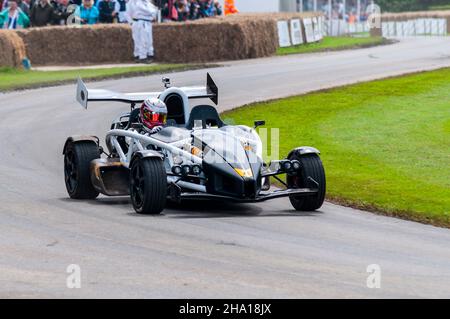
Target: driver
153, 115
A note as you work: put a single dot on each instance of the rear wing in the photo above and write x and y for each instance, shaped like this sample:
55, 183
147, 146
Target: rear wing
85, 95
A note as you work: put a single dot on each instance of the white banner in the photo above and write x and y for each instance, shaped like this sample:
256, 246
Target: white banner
296, 32
434, 26
283, 34
391, 28
317, 29
309, 30
428, 26
322, 26
420, 26
442, 26
384, 29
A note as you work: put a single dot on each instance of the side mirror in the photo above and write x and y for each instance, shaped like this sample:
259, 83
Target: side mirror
166, 82
259, 123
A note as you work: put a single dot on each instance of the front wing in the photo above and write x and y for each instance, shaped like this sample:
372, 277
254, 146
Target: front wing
262, 197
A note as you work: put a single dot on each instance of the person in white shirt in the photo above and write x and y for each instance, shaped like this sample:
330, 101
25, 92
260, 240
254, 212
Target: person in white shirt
141, 14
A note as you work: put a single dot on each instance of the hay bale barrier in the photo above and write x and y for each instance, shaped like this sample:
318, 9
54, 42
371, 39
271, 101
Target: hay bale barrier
214, 40
242, 36
12, 49
96, 44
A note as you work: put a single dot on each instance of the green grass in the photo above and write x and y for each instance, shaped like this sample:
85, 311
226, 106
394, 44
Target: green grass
440, 7
333, 43
385, 144
11, 79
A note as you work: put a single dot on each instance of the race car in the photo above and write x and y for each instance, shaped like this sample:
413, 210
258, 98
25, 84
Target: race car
195, 156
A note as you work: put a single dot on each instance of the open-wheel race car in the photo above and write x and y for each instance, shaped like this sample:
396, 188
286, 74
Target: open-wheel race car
195, 155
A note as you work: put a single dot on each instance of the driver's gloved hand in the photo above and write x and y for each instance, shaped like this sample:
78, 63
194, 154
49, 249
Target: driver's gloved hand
156, 129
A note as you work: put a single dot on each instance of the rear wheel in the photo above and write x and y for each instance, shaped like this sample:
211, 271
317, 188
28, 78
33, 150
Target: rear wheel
77, 172
312, 173
148, 186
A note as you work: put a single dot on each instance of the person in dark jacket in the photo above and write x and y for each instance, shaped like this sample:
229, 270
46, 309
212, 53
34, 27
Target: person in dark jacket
61, 11
107, 11
41, 14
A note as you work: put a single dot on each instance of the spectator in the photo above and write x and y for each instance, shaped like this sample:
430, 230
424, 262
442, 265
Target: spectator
21, 4
13, 17
61, 12
206, 8
217, 8
41, 14
194, 10
230, 8
87, 12
172, 13
182, 10
141, 14
121, 16
25, 6
108, 10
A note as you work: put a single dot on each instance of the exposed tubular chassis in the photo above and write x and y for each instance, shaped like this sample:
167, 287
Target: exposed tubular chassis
138, 148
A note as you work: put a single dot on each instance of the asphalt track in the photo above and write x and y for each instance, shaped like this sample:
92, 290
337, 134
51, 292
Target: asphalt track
208, 249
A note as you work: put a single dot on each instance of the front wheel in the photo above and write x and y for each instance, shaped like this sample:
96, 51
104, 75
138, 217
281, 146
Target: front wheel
148, 186
312, 176
77, 173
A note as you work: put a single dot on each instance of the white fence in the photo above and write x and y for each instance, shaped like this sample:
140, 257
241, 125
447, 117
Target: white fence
390, 29
336, 27
309, 30
416, 27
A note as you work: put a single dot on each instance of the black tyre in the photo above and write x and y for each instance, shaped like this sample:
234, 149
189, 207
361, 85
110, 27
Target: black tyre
148, 186
312, 172
77, 172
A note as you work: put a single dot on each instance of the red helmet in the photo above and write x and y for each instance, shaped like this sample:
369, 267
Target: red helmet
153, 113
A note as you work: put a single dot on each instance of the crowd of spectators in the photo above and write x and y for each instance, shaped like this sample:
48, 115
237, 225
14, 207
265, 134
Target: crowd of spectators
343, 10
18, 14
347, 11
182, 10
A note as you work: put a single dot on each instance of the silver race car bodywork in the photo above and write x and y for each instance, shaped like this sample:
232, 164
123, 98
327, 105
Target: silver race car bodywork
197, 155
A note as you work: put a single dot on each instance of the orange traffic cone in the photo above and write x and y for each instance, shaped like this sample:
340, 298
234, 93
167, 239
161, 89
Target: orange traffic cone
230, 8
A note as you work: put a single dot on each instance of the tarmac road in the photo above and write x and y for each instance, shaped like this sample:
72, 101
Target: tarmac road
208, 249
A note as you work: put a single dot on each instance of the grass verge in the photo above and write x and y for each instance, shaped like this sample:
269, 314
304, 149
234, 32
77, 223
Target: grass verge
334, 44
385, 144
14, 79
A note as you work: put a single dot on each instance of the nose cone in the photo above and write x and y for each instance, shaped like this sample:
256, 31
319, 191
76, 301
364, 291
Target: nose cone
237, 179
245, 173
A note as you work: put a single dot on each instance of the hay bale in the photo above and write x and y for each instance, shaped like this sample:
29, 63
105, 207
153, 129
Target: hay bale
217, 39
376, 32
12, 49
403, 16
78, 45
214, 40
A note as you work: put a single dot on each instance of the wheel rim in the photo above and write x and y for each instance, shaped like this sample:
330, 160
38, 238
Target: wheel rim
137, 185
70, 171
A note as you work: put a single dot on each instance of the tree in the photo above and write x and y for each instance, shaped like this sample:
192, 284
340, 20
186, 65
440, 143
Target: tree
407, 5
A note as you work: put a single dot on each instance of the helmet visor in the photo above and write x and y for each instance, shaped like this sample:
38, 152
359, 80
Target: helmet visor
155, 118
